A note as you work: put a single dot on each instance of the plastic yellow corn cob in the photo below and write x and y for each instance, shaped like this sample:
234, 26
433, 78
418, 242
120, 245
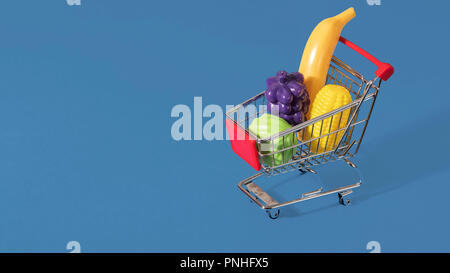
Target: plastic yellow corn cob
329, 98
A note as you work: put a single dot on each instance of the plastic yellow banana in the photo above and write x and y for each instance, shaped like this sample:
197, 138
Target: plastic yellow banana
319, 50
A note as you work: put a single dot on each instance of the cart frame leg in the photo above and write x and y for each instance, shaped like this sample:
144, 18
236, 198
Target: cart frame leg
271, 206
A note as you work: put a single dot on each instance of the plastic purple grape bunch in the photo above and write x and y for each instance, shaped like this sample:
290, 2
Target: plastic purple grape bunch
287, 97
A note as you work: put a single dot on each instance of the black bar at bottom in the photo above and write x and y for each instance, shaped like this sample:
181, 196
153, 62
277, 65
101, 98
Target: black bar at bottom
223, 262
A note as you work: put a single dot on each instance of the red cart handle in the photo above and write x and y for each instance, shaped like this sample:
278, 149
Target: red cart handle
384, 71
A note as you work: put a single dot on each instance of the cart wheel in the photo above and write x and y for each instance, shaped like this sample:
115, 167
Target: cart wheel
273, 215
344, 201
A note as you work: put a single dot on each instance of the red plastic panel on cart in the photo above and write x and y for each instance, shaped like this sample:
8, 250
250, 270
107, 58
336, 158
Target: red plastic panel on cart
243, 144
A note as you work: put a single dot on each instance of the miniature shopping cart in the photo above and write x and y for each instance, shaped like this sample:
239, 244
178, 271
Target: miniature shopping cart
306, 154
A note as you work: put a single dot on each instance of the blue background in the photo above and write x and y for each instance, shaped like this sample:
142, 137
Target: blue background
86, 152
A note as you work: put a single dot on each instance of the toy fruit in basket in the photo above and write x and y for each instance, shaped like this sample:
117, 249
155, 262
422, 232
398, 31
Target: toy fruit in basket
319, 50
268, 125
287, 97
329, 98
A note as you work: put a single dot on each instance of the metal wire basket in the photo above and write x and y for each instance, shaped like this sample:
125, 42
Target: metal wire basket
301, 148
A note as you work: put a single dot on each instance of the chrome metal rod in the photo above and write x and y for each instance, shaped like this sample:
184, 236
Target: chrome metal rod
366, 91
251, 196
312, 192
349, 187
